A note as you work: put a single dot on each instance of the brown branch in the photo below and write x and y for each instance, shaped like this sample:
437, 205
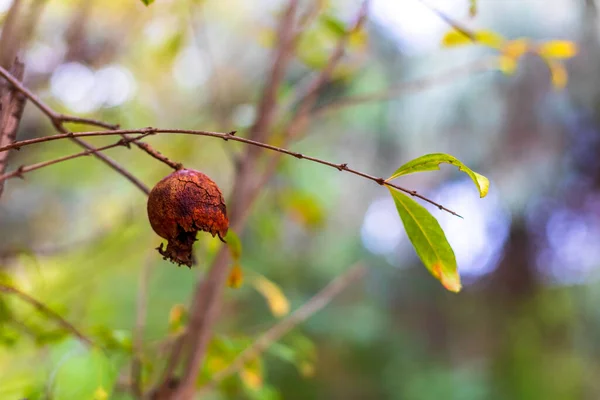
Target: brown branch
46, 311
205, 302
276, 332
12, 104
24, 169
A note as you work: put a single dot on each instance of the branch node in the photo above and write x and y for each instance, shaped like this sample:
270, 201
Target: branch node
342, 167
298, 155
380, 181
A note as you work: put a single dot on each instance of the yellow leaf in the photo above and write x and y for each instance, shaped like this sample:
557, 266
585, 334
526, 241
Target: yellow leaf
251, 375
177, 314
236, 277
558, 74
451, 281
307, 369
276, 300
455, 38
557, 49
100, 394
490, 39
484, 37
507, 65
516, 48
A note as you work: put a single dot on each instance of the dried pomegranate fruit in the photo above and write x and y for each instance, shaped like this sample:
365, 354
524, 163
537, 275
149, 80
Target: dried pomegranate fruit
182, 204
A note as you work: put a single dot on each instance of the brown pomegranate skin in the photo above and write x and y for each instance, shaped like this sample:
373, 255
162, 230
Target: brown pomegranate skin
180, 205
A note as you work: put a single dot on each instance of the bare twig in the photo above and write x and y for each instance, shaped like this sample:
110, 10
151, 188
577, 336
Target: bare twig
138, 334
24, 169
12, 104
454, 24
46, 311
276, 332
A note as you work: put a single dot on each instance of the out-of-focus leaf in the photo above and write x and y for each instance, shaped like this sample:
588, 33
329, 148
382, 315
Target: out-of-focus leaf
429, 240
472, 8
431, 162
178, 316
234, 244
299, 351
100, 394
252, 374
456, 38
147, 2
307, 369
78, 372
276, 300
236, 277
557, 49
489, 38
516, 48
333, 24
507, 65
304, 208
558, 73
112, 339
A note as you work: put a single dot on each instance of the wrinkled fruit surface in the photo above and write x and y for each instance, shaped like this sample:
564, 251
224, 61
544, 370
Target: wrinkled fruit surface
182, 204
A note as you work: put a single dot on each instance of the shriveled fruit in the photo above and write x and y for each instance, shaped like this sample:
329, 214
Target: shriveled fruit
182, 204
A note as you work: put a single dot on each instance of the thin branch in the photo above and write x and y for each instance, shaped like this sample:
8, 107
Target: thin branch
138, 333
226, 137
24, 169
403, 88
277, 331
46, 311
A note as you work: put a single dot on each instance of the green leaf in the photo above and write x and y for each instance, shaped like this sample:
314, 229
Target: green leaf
431, 162
234, 244
429, 240
147, 2
80, 372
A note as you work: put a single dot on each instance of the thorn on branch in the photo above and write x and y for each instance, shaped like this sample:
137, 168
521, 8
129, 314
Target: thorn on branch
342, 167
19, 172
125, 142
232, 133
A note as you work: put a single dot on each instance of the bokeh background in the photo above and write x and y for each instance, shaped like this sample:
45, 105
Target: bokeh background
76, 236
